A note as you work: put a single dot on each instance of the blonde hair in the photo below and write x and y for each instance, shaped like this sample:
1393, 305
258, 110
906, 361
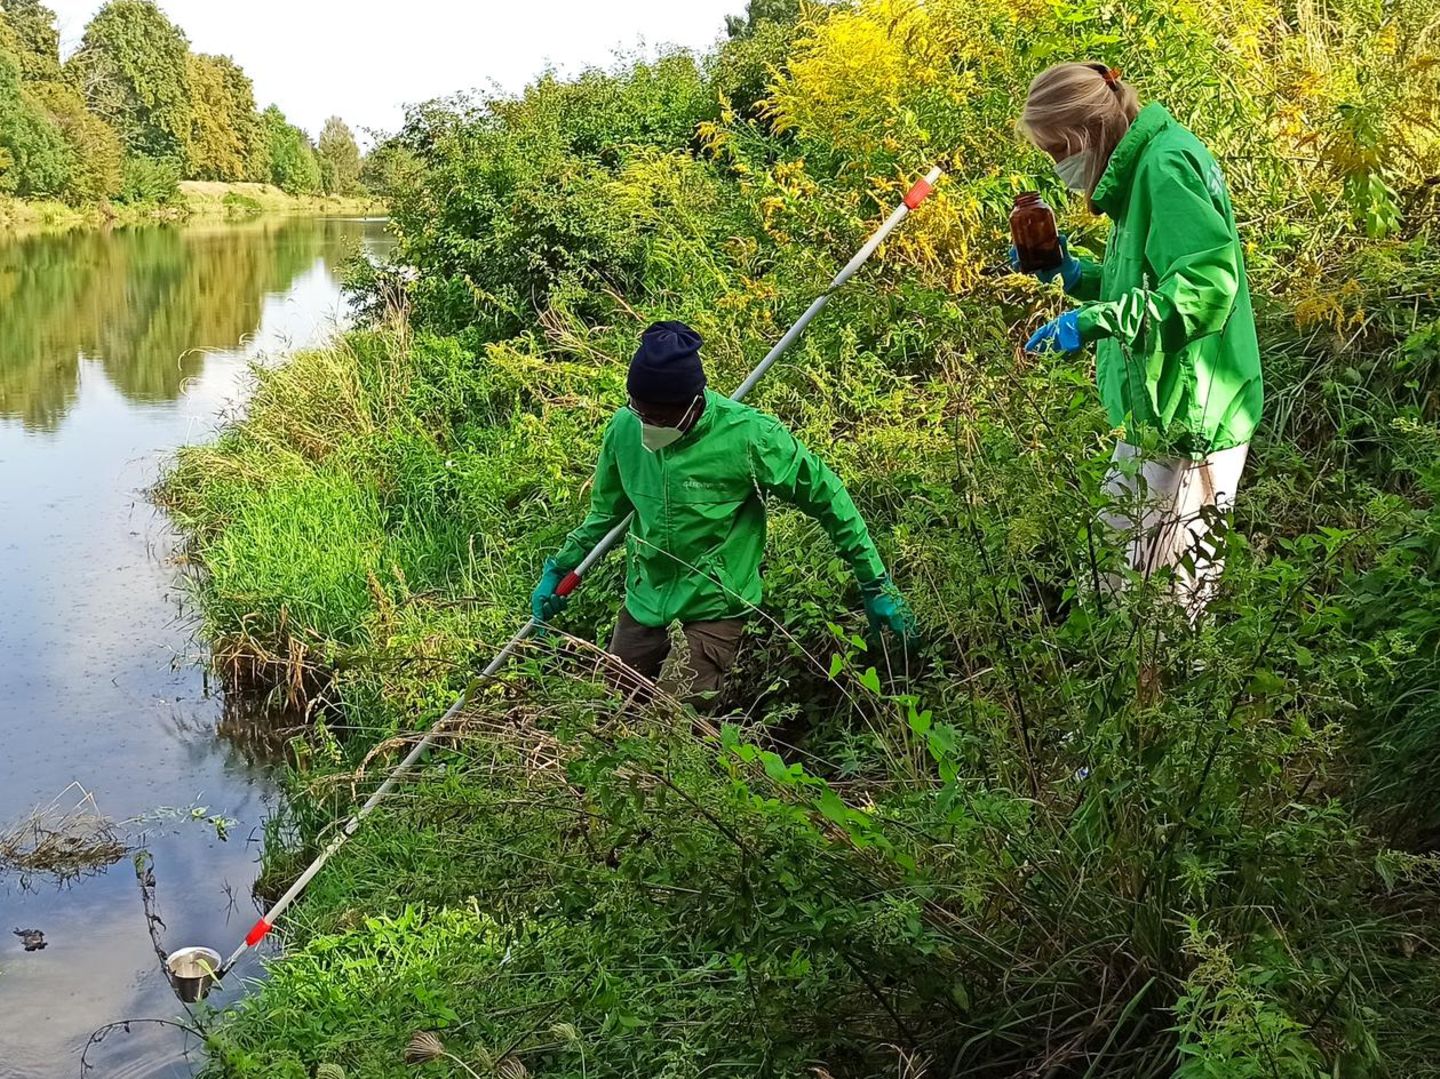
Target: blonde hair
1080, 107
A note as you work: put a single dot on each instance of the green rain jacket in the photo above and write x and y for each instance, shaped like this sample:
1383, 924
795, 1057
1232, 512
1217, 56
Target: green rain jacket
1176, 335
693, 551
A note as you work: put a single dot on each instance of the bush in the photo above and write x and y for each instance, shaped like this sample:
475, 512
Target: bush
238, 205
148, 180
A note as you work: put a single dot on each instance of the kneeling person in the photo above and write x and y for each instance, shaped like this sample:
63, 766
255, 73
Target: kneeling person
695, 468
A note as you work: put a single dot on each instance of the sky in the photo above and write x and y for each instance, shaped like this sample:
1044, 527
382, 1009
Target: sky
364, 61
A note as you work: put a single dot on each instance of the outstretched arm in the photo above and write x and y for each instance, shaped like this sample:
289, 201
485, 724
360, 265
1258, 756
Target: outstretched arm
787, 469
609, 505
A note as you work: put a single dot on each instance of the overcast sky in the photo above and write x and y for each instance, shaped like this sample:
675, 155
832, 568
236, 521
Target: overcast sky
364, 61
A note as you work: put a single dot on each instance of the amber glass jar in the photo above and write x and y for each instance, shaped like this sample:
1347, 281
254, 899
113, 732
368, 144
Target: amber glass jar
1032, 227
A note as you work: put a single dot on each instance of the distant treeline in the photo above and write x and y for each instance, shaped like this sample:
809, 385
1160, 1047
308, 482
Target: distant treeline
133, 111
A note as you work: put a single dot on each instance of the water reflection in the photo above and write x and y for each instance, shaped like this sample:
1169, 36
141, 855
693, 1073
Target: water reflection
144, 303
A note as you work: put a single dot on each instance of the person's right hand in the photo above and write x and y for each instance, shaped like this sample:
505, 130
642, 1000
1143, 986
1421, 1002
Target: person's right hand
545, 602
1068, 271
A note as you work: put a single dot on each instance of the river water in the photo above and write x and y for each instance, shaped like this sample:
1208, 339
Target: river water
115, 348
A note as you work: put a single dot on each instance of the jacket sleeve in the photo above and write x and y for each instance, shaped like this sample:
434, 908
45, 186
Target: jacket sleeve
1088, 287
1197, 269
609, 505
788, 470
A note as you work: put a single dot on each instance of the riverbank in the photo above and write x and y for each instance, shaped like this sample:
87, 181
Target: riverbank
1069, 834
197, 200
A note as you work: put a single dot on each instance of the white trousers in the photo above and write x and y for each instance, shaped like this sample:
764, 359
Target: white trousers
1173, 513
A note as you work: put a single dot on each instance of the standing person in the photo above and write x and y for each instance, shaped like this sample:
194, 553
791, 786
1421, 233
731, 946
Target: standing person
1168, 310
695, 467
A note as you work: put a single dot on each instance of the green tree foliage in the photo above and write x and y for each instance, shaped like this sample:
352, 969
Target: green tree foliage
132, 66
225, 136
292, 165
760, 12
95, 149
89, 168
134, 92
388, 168
532, 181
339, 157
35, 158
36, 38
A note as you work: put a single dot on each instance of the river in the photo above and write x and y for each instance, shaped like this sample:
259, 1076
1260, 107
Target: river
115, 348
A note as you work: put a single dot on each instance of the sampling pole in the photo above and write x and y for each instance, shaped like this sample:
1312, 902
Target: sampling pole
913, 198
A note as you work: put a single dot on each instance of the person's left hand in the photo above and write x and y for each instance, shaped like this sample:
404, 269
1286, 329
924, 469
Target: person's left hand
885, 608
1060, 335
1068, 270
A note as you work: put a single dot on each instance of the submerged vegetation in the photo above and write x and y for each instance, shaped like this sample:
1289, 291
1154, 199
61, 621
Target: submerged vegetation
1016, 852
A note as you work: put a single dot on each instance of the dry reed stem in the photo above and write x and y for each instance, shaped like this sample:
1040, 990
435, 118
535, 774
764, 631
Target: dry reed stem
62, 843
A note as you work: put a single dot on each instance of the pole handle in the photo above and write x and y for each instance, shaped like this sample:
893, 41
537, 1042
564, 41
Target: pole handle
926, 184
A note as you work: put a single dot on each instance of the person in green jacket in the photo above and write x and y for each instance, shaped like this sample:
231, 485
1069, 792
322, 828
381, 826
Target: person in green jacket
1168, 310
694, 468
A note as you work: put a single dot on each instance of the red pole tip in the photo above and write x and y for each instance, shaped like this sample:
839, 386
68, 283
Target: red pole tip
257, 934
569, 584
916, 195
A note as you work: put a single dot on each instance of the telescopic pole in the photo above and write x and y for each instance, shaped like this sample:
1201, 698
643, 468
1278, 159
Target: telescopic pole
912, 199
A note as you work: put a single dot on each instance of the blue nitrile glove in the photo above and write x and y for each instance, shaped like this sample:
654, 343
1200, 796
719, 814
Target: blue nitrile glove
886, 608
1068, 271
544, 603
1061, 334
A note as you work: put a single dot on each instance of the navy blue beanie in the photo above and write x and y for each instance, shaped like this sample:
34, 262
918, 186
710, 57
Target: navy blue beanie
666, 368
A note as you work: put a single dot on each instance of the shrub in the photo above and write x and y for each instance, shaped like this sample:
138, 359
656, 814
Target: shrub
148, 180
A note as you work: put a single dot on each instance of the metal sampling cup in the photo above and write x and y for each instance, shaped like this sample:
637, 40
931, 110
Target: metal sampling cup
192, 972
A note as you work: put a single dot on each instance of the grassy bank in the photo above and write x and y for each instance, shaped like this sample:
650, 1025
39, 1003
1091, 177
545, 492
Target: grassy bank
1070, 835
196, 200
208, 200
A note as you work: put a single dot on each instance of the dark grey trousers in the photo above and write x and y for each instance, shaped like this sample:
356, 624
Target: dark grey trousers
713, 647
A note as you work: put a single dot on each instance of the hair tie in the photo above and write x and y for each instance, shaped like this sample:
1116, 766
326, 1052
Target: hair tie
1111, 75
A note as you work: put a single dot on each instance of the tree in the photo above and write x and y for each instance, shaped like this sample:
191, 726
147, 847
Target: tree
758, 12
339, 157
33, 38
35, 160
390, 168
293, 166
132, 69
225, 136
95, 150
45, 105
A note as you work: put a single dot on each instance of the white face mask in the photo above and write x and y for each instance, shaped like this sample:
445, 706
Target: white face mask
657, 438
1073, 169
